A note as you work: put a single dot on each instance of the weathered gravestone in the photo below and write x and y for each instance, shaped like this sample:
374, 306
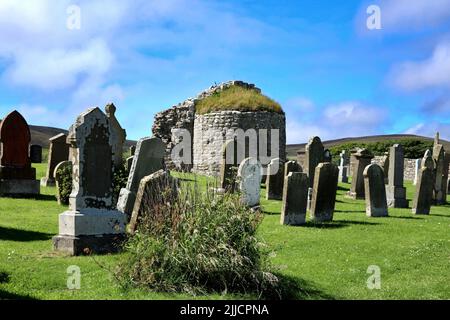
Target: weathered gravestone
423, 197
117, 133
327, 156
62, 186
249, 181
385, 164
417, 167
343, 166
439, 163
17, 177
376, 204
314, 152
395, 191
292, 166
57, 153
360, 160
91, 224
275, 180
229, 164
324, 192
445, 176
155, 189
295, 197
149, 158
36, 153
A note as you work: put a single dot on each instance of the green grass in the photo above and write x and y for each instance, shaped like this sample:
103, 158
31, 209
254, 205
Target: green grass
237, 98
322, 262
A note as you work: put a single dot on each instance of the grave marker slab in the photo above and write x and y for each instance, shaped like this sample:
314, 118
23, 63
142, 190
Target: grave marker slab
249, 181
275, 180
423, 197
360, 160
295, 198
118, 135
57, 153
324, 192
395, 191
376, 203
314, 154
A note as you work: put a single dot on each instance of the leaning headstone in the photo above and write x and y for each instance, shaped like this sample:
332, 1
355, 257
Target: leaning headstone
385, 165
156, 188
395, 191
91, 224
57, 153
423, 197
275, 180
118, 135
376, 204
292, 166
62, 185
229, 164
249, 181
149, 158
324, 192
343, 167
314, 152
360, 160
36, 153
439, 163
17, 177
417, 167
295, 197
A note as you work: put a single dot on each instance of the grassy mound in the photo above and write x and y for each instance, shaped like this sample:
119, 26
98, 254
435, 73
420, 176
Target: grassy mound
239, 99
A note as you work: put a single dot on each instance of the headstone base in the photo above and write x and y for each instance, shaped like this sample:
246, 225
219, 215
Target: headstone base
322, 217
9, 173
396, 197
19, 187
421, 211
294, 219
91, 222
377, 212
107, 243
46, 182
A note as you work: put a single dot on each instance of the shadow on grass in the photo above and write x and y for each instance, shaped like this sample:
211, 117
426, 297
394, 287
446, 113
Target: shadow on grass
4, 277
405, 218
350, 211
45, 197
11, 234
439, 215
293, 288
343, 189
5, 295
337, 224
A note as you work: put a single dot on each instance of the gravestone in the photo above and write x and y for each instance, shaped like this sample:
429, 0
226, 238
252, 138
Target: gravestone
445, 176
17, 177
229, 164
343, 166
249, 181
57, 153
158, 187
275, 180
308, 204
376, 203
91, 224
58, 178
327, 156
118, 135
324, 192
361, 159
314, 152
292, 166
423, 197
132, 150
395, 191
36, 153
149, 158
417, 167
439, 163
295, 198
385, 165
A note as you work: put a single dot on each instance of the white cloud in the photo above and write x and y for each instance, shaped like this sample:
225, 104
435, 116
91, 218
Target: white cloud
432, 72
429, 130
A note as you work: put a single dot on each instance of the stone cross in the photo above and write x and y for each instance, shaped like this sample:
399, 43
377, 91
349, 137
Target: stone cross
57, 153
395, 191
314, 154
149, 158
249, 181
118, 134
17, 177
361, 159
91, 223
275, 180
423, 197
324, 192
295, 197
376, 203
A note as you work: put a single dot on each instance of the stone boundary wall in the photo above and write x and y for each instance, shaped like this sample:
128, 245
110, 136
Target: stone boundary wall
211, 130
409, 167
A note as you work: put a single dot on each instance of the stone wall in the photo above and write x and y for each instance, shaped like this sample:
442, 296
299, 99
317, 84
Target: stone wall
409, 167
213, 129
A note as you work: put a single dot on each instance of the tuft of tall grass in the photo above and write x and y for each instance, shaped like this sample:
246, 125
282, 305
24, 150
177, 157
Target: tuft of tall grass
198, 243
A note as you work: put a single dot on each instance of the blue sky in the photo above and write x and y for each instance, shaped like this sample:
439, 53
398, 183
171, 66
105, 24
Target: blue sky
333, 76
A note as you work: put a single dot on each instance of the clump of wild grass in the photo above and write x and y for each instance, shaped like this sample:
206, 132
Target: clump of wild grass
237, 98
200, 243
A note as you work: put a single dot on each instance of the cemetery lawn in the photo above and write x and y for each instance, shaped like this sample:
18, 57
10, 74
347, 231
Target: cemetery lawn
328, 261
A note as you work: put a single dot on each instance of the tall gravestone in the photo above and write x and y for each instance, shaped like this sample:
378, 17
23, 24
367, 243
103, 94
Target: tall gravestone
376, 203
249, 181
314, 154
439, 163
91, 223
17, 177
395, 191
230, 160
417, 167
360, 160
385, 165
295, 197
275, 180
57, 153
423, 197
292, 166
343, 166
324, 192
36, 153
149, 158
118, 135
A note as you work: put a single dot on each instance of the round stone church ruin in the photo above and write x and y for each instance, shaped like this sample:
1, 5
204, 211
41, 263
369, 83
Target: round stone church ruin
233, 110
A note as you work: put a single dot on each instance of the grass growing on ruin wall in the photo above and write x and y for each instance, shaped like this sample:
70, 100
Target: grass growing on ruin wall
239, 99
